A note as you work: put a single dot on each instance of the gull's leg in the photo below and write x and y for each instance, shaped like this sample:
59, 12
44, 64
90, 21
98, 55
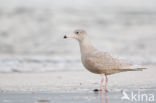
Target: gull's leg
106, 83
102, 80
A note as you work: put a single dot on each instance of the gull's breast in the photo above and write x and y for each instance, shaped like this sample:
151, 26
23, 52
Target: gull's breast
92, 66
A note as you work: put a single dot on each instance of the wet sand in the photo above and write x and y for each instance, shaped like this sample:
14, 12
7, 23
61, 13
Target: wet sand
74, 97
69, 87
74, 81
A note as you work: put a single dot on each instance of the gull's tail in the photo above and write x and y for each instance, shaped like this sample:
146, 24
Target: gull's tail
133, 68
139, 69
136, 68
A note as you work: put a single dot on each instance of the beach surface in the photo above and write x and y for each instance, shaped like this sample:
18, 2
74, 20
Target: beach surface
52, 87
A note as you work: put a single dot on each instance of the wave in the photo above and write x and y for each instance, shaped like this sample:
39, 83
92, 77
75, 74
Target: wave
54, 64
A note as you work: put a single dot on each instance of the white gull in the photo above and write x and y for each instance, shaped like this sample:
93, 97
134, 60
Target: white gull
100, 62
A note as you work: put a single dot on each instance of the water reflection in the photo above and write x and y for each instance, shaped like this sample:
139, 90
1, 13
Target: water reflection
103, 97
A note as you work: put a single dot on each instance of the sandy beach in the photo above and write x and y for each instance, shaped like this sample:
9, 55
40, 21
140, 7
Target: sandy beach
74, 81
78, 86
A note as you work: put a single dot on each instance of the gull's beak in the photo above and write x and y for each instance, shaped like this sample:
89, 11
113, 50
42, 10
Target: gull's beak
68, 36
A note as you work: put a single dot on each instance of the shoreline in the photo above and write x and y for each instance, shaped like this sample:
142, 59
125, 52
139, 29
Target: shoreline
77, 81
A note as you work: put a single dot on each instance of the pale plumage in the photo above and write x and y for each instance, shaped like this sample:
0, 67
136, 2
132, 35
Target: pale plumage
103, 63
100, 62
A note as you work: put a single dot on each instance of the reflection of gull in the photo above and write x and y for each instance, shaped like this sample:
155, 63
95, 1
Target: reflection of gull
125, 96
102, 99
100, 62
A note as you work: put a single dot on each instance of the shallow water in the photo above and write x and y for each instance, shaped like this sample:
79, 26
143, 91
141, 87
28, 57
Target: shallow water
83, 97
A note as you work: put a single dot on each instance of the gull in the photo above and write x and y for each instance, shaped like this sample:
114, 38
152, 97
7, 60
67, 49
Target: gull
99, 62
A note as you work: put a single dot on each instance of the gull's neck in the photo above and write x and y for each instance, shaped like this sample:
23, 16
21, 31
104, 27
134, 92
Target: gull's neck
86, 46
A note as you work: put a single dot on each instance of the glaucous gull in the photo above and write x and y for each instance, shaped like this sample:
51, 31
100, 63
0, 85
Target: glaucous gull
99, 62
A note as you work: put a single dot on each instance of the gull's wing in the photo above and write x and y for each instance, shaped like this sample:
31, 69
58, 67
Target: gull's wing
102, 60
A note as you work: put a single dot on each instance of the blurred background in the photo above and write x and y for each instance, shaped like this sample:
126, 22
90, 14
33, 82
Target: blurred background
31, 32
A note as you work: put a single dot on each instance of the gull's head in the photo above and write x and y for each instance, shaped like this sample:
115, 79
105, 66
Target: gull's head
78, 35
